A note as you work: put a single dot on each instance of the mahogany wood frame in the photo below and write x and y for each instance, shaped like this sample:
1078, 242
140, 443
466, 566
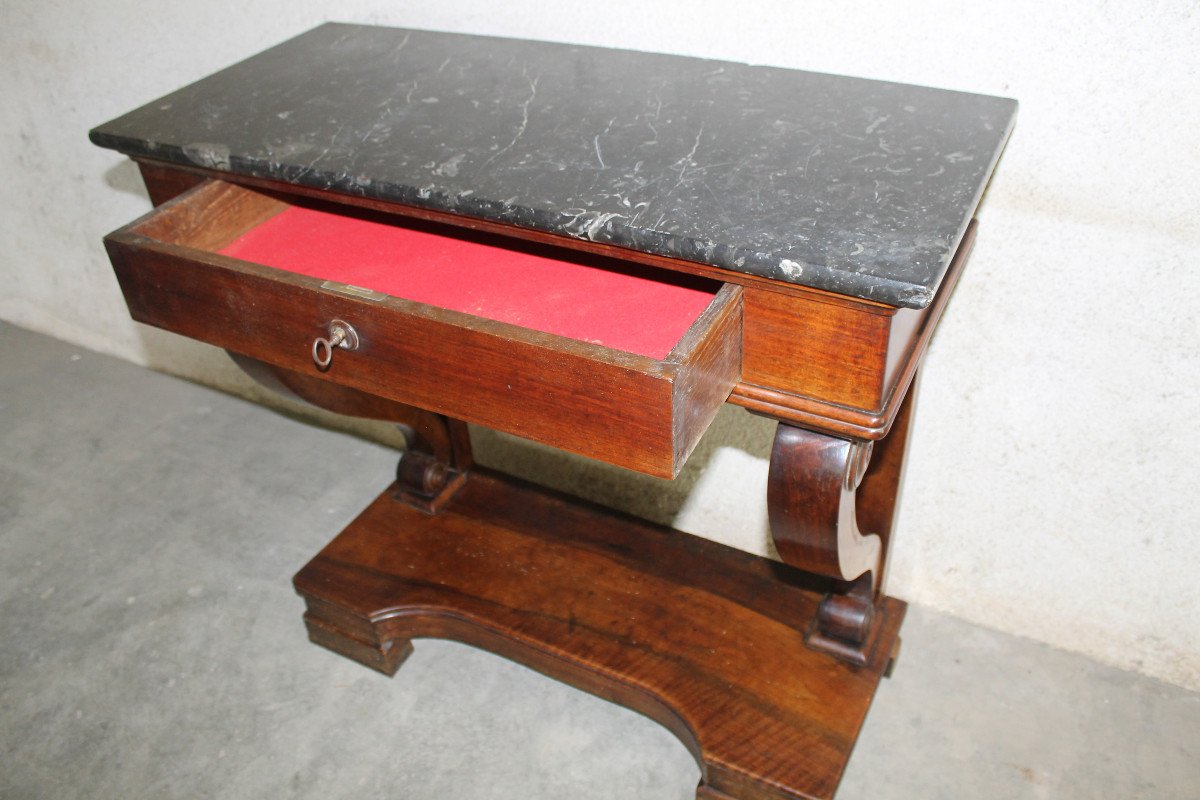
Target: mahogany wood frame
839, 376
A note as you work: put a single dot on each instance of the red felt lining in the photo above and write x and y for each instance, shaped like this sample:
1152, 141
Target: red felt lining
583, 297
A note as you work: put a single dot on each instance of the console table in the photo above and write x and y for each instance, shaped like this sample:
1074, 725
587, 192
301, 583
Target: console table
593, 249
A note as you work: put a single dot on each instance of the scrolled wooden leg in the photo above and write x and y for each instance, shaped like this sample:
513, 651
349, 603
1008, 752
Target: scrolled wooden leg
811, 494
832, 505
810, 500
438, 456
879, 492
436, 462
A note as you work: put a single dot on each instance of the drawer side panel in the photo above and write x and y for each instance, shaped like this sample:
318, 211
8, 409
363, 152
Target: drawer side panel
709, 373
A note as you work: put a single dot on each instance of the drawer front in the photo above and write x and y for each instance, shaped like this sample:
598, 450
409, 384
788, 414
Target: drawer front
631, 410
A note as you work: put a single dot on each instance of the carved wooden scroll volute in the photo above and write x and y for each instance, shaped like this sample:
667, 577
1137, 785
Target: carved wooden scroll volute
811, 499
819, 490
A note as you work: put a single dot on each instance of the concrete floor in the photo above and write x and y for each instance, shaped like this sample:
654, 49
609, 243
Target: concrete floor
151, 646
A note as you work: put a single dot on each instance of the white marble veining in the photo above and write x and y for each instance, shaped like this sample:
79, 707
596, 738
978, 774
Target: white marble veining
856, 186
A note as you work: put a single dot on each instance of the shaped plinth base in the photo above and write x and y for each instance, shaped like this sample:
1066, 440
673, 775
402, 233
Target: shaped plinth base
704, 639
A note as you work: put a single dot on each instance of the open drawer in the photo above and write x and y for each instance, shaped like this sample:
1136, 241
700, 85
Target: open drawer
588, 354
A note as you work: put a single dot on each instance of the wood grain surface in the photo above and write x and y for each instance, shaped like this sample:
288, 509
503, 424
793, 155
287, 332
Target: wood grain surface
705, 639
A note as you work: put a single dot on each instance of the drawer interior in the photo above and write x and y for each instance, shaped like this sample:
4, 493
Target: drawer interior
580, 296
591, 299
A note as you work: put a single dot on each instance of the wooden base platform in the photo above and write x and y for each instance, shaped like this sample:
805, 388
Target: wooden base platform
705, 639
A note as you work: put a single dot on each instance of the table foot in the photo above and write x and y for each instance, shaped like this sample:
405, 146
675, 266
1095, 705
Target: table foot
708, 793
383, 656
705, 639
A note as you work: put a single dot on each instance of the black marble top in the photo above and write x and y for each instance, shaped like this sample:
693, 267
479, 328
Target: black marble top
856, 186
